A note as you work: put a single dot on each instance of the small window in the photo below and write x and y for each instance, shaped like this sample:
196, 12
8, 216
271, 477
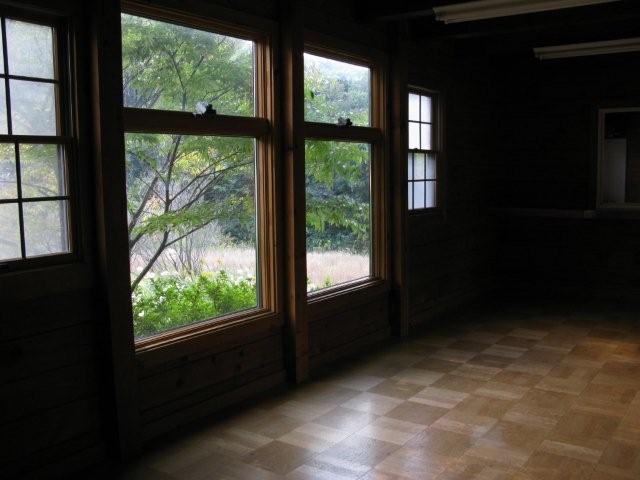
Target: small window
619, 176
423, 153
34, 192
339, 158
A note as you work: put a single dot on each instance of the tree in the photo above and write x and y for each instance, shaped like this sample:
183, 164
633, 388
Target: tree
177, 184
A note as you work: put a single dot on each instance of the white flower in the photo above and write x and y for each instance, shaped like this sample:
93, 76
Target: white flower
141, 314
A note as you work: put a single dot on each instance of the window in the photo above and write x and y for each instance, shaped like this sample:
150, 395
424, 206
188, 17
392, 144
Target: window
423, 150
340, 149
193, 174
619, 158
34, 191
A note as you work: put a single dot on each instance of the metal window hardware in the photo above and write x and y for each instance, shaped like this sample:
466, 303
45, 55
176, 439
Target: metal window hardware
344, 122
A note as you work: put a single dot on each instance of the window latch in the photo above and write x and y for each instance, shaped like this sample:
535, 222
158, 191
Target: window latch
344, 122
206, 112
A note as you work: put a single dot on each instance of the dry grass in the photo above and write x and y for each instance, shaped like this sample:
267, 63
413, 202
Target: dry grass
323, 268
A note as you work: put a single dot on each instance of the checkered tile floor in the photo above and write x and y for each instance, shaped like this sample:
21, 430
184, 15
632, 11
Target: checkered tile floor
518, 392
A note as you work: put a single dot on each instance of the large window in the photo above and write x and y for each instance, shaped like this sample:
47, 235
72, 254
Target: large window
424, 146
34, 191
193, 156
339, 154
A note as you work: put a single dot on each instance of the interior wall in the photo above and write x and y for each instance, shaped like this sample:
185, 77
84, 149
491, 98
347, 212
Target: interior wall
56, 399
544, 175
450, 251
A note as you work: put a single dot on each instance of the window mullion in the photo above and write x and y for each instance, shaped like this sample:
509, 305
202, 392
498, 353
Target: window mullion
184, 123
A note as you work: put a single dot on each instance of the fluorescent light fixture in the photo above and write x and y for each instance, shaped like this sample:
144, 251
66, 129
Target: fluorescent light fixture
484, 9
591, 48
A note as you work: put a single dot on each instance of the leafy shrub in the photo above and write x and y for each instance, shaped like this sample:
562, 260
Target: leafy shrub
170, 301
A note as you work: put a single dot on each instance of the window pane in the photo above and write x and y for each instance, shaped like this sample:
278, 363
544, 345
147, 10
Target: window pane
3, 107
425, 136
30, 49
33, 108
431, 167
45, 227
425, 108
418, 194
8, 178
430, 195
42, 170
414, 107
334, 89
1, 50
171, 67
9, 232
410, 167
192, 228
338, 196
418, 166
414, 135
410, 200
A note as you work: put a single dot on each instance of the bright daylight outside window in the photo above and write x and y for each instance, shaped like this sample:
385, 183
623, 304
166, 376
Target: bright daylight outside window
191, 197
34, 197
338, 174
423, 154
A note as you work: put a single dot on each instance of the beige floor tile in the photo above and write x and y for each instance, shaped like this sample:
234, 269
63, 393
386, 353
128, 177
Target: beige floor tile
345, 419
391, 430
314, 437
442, 442
396, 389
450, 355
548, 466
360, 451
458, 383
474, 426
372, 403
417, 376
418, 413
279, 457
411, 462
439, 397
501, 391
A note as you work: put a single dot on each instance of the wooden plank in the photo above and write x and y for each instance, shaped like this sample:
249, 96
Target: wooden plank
176, 406
296, 324
227, 398
142, 120
399, 135
111, 217
49, 428
163, 357
215, 368
36, 393
45, 314
29, 356
328, 131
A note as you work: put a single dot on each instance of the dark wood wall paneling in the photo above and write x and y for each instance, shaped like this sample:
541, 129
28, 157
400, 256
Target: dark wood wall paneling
545, 158
450, 251
55, 401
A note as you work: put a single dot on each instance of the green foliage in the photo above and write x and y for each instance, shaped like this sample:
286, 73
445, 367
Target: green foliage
171, 301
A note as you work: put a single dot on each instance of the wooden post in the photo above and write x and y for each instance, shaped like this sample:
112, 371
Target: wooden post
111, 218
296, 320
399, 108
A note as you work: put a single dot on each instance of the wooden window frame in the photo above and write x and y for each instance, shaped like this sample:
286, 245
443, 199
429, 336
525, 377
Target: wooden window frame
375, 135
602, 206
261, 127
66, 135
437, 138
